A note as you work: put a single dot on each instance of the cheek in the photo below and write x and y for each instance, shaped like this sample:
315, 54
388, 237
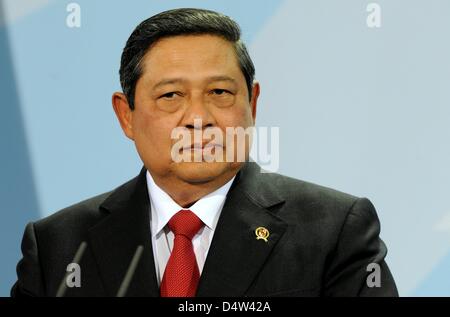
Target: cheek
152, 131
237, 116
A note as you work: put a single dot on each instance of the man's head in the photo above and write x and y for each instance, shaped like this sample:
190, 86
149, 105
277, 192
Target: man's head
179, 66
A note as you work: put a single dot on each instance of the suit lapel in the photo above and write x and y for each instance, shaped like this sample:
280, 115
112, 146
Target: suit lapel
235, 256
115, 240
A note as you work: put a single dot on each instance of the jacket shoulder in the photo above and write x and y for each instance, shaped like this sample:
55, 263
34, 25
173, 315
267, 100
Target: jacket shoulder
82, 214
305, 193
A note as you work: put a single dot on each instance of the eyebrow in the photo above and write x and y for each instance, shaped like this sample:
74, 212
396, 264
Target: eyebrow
210, 79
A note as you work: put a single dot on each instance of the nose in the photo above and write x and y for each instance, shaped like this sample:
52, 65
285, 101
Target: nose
197, 115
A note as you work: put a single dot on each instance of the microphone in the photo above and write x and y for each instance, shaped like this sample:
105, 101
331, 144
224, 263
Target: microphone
130, 272
78, 255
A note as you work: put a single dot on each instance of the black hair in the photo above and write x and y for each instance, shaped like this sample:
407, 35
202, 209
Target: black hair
185, 21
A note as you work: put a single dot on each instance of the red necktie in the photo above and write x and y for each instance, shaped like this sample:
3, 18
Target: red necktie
181, 275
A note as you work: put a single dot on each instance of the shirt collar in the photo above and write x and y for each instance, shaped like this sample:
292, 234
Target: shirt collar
163, 207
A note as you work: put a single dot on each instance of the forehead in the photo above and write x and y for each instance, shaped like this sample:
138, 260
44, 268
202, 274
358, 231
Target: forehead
191, 54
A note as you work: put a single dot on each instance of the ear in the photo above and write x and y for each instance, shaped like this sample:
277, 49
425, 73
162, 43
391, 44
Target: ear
254, 101
124, 113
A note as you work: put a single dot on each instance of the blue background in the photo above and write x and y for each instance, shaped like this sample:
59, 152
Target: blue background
362, 110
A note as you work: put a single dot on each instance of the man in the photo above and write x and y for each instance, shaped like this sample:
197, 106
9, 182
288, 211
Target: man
201, 227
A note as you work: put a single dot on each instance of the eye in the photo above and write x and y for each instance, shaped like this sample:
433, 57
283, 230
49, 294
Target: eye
169, 95
220, 92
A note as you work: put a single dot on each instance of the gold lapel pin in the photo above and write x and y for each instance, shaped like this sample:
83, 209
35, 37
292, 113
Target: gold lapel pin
262, 233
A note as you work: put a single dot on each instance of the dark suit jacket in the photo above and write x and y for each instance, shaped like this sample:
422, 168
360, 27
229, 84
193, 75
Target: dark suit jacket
320, 243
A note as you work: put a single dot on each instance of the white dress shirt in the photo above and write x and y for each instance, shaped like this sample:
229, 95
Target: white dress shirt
163, 207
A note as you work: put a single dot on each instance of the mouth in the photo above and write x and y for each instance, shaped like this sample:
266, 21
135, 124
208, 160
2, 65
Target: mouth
201, 146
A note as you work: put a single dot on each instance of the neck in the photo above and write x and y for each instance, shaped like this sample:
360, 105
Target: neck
186, 193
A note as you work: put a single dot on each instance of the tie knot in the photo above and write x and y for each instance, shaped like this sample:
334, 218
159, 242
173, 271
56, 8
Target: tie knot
185, 223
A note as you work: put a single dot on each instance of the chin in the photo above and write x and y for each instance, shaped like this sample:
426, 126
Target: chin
200, 172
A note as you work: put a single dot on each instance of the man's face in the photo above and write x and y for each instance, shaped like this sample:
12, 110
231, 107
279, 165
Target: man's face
187, 78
